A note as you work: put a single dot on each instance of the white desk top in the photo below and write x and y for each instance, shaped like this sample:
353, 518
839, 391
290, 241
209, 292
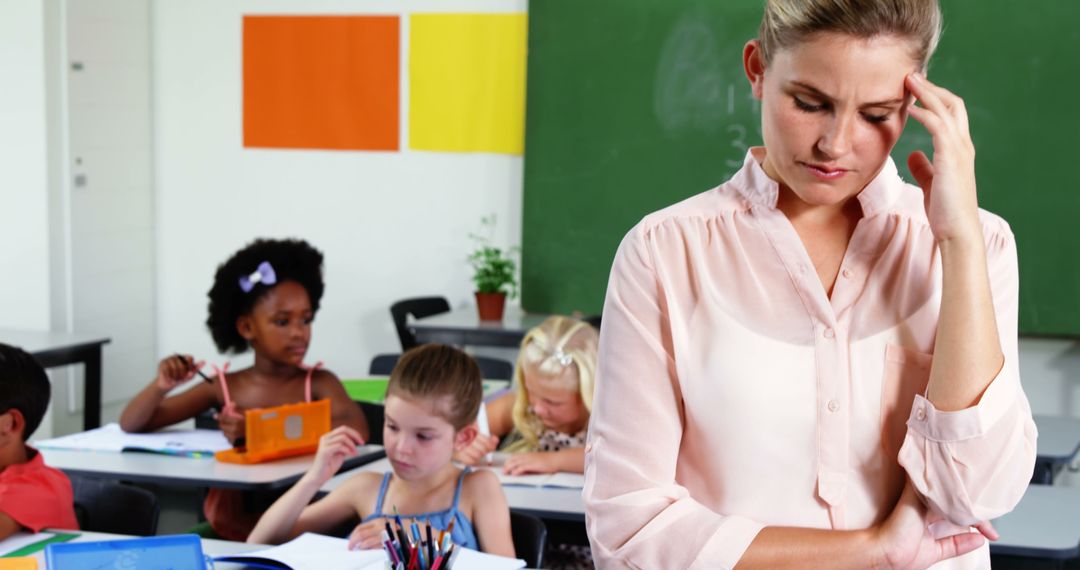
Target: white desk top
1044, 525
514, 320
37, 341
191, 472
1059, 438
544, 502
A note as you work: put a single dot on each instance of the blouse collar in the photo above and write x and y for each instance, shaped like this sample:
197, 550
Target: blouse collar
756, 187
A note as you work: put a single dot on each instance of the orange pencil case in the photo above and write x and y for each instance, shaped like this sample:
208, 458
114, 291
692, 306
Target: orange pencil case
280, 431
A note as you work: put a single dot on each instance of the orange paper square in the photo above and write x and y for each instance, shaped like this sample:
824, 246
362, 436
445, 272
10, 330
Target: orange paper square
326, 82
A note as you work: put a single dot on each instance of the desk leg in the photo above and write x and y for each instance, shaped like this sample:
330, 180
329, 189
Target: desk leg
92, 389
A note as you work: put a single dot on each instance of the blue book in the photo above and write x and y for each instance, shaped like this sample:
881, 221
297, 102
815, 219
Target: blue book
178, 552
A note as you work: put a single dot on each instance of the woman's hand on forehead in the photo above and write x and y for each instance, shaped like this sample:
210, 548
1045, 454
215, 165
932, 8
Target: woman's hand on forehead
949, 180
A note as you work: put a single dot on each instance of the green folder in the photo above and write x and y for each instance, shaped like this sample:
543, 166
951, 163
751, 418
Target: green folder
367, 389
30, 549
374, 389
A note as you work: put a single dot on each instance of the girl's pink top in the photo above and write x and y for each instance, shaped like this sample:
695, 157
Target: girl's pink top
733, 394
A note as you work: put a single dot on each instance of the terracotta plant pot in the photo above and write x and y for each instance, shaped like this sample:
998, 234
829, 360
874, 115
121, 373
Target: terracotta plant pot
490, 306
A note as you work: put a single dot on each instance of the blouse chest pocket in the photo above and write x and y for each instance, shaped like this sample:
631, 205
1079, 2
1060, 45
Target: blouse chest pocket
907, 373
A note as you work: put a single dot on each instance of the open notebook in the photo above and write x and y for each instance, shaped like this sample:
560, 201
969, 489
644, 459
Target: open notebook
189, 443
567, 480
318, 552
561, 480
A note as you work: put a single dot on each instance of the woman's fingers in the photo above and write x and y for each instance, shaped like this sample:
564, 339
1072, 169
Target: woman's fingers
958, 544
988, 530
922, 169
942, 110
925, 93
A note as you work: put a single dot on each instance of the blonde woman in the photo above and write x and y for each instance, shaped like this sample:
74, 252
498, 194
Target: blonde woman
814, 364
548, 411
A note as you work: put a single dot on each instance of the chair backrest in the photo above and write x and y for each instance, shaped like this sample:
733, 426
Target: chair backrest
495, 368
375, 415
105, 506
383, 364
594, 320
418, 307
530, 537
490, 368
206, 420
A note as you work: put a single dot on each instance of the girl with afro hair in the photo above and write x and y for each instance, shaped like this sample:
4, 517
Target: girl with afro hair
264, 298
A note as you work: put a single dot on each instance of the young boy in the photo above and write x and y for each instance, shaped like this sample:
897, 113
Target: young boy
32, 495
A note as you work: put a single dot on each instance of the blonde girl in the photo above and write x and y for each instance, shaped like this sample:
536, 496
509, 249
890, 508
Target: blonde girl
548, 412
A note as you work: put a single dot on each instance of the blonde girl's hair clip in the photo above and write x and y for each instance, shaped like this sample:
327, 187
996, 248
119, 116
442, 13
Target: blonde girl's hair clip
561, 357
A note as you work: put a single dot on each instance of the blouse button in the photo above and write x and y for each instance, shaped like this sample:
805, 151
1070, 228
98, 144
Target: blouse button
829, 333
847, 273
802, 268
920, 414
834, 405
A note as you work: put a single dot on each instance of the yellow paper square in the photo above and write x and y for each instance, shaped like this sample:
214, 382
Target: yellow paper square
467, 82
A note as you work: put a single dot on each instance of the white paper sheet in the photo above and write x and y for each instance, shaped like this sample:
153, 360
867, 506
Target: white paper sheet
22, 539
311, 551
111, 438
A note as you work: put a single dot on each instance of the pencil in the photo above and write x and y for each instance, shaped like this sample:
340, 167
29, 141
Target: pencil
402, 535
191, 365
430, 543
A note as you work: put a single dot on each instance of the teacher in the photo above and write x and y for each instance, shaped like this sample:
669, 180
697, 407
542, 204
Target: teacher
814, 364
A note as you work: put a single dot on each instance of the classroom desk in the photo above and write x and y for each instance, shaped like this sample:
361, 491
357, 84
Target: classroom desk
191, 472
60, 349
464, 327
211, 547
1044, 526
555, 503
1059, 442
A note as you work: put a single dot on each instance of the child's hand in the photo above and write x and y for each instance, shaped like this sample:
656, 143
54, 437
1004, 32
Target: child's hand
367, 536
232, 424
535, 462
477, 451
334, 448
172, 371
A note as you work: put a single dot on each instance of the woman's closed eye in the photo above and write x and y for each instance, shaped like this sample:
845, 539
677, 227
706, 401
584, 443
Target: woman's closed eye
808, 106
803, 105
876, 118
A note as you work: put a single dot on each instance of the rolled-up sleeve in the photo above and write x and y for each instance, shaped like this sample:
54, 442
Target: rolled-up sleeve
637, 515
974, 464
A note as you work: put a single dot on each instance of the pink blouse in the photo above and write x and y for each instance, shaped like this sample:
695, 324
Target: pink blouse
733, 394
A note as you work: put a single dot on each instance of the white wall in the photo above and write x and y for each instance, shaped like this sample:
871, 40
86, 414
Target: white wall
24, 204
108, 161
391, 225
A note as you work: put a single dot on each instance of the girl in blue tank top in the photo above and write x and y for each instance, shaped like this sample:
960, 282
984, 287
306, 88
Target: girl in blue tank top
431, 403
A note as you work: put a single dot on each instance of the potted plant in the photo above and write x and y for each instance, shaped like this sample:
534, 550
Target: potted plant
494, 274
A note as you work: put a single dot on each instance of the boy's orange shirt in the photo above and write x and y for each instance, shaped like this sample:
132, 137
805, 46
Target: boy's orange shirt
37, 496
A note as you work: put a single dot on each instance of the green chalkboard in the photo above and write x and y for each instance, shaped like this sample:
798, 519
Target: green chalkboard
637, 104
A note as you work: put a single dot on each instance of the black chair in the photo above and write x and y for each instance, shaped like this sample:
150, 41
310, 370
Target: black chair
383, 364
418, 307
115, 508
530, 538
206, 420
593, 320
375, 415
490, 368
